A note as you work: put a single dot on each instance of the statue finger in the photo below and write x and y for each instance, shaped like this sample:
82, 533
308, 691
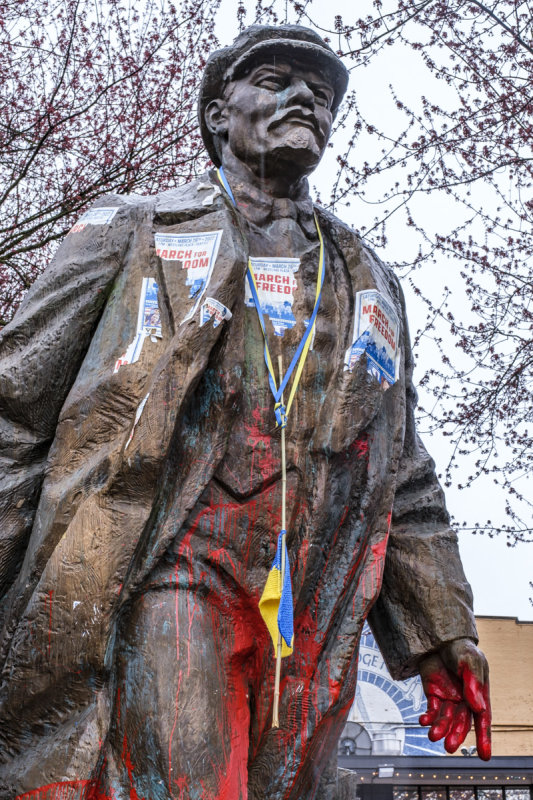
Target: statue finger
473, 690
482, 722
460, 727
441, 727
433, 711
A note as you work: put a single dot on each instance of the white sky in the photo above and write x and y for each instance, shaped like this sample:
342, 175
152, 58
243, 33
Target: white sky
499, 574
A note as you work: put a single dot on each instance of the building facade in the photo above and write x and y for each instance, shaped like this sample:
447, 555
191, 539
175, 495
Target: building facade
385, 755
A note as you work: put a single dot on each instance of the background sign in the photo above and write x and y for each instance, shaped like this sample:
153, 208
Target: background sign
384, 717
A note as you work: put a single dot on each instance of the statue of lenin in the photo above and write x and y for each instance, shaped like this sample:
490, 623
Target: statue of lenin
141, 488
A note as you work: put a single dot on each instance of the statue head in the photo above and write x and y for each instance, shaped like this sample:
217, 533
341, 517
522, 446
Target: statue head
270, 98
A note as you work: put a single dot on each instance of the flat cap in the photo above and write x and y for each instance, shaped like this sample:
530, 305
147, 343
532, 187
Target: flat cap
262, 42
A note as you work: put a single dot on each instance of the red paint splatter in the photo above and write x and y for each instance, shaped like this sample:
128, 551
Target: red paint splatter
126, 758
379, 549
240, 654
373, 572
234, 780
176, 613
452, 700
477, 696
360, 447
261, 443
66, 790
181, 785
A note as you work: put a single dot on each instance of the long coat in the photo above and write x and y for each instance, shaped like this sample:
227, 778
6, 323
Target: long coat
84, 519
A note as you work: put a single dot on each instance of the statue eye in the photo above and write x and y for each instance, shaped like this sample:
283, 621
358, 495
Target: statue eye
271, 82
323, 97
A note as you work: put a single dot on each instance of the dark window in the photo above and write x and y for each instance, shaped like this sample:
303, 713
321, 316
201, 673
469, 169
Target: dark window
494, 793
456, 793
433, 793
523, 793
407, 793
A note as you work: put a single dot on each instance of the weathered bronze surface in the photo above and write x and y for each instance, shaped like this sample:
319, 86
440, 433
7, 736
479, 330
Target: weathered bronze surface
140, 508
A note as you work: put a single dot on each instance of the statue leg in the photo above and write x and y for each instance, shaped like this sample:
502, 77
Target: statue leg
287, 763
181, 721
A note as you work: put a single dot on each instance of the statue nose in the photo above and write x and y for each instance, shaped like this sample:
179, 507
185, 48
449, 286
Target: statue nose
300, 92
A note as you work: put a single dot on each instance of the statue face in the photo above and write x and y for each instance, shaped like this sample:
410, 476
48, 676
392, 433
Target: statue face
278, 117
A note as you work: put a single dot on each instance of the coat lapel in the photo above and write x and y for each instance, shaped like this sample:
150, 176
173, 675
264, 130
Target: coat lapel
356, 397
181, 376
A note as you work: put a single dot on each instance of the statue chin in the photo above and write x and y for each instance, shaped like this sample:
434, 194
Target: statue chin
298, 154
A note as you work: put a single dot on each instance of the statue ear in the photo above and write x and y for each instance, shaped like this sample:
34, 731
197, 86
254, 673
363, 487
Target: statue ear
216, 117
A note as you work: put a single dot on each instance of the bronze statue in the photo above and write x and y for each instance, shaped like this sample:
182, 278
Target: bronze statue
141, 489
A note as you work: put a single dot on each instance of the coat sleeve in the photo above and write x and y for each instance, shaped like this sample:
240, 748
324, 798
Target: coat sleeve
41, 351
425, 598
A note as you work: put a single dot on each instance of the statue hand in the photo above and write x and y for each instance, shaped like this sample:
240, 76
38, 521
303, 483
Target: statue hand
456, 684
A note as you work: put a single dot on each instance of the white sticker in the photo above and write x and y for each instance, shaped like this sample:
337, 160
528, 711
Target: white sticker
95, 216
138, 413
132, 353
375, 333
197, 253
148, 324
215, 192
276, 284
211, 308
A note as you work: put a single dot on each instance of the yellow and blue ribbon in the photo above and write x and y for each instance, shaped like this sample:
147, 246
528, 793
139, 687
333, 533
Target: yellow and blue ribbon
281, 412
275, 604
